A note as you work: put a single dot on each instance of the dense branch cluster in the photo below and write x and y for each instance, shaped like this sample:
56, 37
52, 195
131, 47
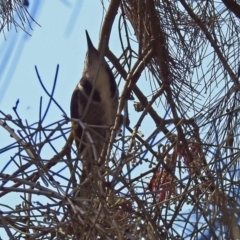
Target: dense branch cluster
14, 13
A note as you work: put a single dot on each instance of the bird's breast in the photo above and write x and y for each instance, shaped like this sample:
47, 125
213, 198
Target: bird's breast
108, 103
100, 112
109, 107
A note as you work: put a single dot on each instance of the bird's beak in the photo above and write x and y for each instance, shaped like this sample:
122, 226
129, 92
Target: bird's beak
89, 42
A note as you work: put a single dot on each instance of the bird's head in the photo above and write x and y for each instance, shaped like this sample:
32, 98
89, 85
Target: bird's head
95, 69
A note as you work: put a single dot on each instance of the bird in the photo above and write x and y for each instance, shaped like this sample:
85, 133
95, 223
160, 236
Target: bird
94, 101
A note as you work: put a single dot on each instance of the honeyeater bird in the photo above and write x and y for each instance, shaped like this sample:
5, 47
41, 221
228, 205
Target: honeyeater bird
94, 101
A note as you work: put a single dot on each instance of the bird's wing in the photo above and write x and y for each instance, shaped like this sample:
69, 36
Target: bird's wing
75, 113
80, 98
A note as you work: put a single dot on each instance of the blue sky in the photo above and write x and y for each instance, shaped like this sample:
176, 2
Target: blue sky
60, 39
48, 46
